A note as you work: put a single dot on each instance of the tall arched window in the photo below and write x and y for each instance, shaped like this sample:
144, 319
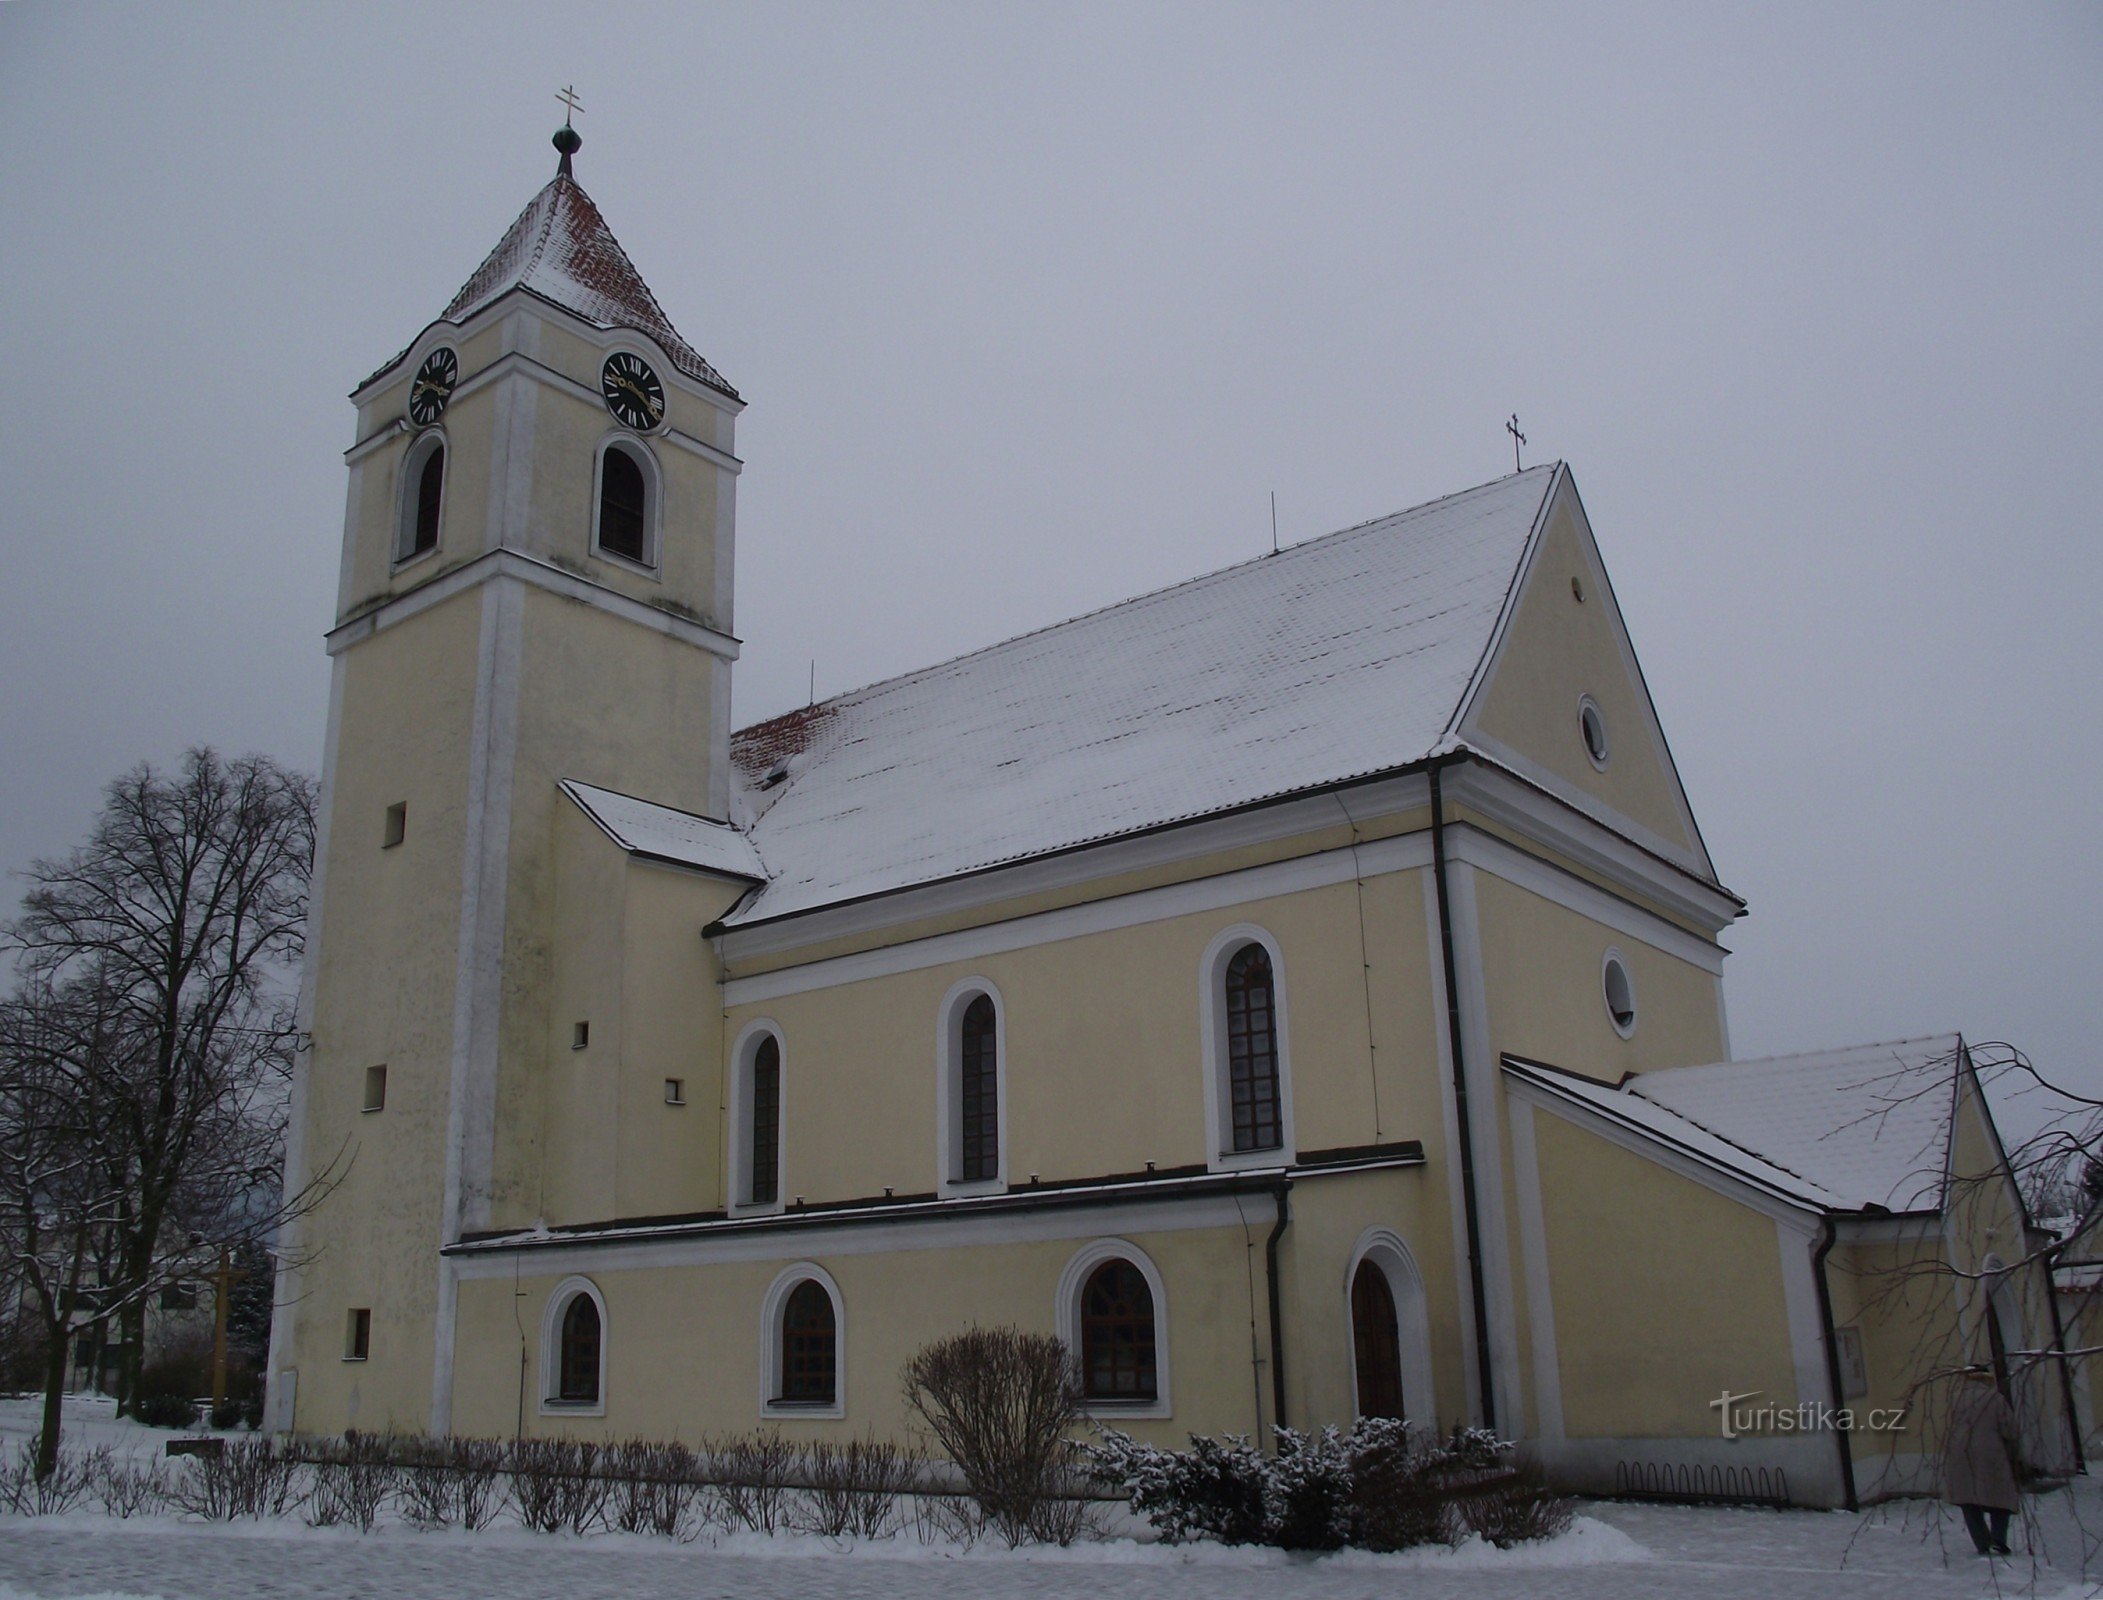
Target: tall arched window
809, 1347
579, 1379
1376, 1344
979, 1093
764, 1153
1117, 1333
423, 497
1252, 1051
624, 505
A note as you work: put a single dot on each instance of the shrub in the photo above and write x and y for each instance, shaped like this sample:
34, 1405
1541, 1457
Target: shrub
165, 1410
60, 1490
751, 1473
440, 1482
353, 1480
227, 1413
182, 1366
1381, 1486
555, 1484
1001, 1403
851, 1490
247, 1478
127, 1488
652, 1487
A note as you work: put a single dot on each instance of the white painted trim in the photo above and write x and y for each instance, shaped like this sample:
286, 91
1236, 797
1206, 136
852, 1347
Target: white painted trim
502, 564
280, 1381
737, 1163
1540, 1298
1449, 1122
550, 1374
1213, 1062
1224, 891
399, 556
478, 993
1697, 1169
512, 457
1609, 960
1572, 893
1385, 1250
636, 448
1067, 1312
1504, 795
1796, 1242
963, 1230
1485, 1096
771, 1311
1541, 777
1087, 864
1601, 590
949, 1088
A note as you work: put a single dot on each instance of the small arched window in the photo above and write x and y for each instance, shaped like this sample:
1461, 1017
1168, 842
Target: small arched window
1252, 1051
624, 505
764, 1151
1376, 1344
809, 1347
423, 497
1117, 1334
979, 1093
579, 1379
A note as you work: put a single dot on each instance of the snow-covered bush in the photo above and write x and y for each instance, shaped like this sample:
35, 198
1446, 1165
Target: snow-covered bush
165, 1410
1380, 1486
124, 1487
1001, 1403
62, 1488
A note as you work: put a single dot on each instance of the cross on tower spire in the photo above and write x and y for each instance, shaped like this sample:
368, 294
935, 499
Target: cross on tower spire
568, 141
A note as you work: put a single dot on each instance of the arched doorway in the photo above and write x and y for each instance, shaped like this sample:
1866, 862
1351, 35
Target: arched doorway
1376, 1344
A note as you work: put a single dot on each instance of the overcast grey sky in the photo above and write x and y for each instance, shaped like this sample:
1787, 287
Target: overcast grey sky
1034, 306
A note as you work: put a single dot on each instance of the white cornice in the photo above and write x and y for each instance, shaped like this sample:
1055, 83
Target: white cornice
539, 574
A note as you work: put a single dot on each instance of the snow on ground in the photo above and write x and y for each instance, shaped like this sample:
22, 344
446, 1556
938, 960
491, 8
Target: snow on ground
1912, 1551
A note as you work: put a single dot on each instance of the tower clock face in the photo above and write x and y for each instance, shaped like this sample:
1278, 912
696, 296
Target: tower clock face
433, 386
632, 391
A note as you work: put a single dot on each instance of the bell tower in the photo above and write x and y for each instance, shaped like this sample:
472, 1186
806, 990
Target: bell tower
535, 586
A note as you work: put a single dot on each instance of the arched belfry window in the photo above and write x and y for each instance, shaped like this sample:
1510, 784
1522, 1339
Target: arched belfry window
622, 525
423, 497
1252, 1051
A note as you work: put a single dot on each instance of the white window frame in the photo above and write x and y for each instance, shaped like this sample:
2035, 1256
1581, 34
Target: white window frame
1391, 1258
1612, 959
772, 1310
1067, 1315
653, 500
738, 1162
413, 459
1212, 1026
949, 1089
551, 1349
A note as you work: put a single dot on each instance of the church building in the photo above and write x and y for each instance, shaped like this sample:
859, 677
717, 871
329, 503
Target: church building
1300, 989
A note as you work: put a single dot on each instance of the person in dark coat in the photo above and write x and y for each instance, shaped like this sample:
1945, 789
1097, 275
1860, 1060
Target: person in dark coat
1978, 1461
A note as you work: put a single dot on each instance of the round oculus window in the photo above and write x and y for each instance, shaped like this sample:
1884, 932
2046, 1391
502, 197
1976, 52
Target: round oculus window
1591, 727
1619, 991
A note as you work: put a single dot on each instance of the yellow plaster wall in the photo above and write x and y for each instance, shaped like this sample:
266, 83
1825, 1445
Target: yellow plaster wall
1559, 648
388, 945
1541, 975
1652, 1321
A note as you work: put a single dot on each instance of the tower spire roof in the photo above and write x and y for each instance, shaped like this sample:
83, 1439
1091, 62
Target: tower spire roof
561, 250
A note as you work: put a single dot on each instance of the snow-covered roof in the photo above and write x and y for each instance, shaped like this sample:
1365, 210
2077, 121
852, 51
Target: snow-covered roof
561, 250
1333, 660
1859, 1129
662, 834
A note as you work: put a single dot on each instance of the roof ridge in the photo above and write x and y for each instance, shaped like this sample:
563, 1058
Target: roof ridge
1950, 1034
900, 679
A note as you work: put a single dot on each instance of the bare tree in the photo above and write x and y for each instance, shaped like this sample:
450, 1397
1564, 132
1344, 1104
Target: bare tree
149, 1042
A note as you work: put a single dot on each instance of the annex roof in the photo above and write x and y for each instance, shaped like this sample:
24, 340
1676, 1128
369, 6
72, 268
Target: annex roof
1866, 1128
1333, 660
561, 250
644, 828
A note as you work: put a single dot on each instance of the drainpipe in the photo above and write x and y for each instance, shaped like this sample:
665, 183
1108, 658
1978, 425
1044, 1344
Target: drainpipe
1827, 1234
1282, 1193
1469, 1204
2066, 1377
